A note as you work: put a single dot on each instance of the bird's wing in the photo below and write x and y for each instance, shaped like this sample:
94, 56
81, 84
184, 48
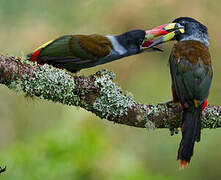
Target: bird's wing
96, 46
73, 51
191, 73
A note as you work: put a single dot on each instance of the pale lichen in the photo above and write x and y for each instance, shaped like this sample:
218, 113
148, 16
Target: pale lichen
96, 93
149, 125
23, 59
51, 83
111, 103
159, 114
15, 85
147, 111
211, 118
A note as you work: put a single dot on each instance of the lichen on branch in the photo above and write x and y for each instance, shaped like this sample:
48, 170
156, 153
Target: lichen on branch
96, 93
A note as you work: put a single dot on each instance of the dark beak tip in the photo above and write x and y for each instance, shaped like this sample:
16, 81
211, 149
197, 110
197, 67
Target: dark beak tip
155, 43
150, 44
156, 48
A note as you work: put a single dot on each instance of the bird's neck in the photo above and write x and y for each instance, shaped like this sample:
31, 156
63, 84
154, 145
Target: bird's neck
117, 46
200, 37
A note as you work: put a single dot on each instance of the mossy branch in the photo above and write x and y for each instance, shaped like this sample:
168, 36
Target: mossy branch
96, 93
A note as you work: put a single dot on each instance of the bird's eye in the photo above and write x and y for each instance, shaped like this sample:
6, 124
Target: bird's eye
182, 23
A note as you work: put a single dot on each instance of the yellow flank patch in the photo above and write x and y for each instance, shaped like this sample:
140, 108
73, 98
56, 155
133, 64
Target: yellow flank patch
44, 45
196, 103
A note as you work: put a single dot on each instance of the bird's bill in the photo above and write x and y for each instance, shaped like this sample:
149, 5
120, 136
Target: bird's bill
162, 30
159, 31
167, 37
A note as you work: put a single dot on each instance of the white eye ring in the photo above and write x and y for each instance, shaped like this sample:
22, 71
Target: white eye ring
182, 23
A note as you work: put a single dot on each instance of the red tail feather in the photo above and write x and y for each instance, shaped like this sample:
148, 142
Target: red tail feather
34, 56
183, 164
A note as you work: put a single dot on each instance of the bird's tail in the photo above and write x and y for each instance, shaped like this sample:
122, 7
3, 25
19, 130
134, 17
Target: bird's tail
191, 127
57, 53
54, 48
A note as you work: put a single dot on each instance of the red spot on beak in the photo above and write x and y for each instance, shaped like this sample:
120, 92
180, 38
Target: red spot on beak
147, 43
158, 31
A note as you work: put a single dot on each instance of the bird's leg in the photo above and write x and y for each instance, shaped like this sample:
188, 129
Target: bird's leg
172, 102
175, 100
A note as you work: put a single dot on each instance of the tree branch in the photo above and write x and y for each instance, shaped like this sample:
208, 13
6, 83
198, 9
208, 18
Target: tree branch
96, 93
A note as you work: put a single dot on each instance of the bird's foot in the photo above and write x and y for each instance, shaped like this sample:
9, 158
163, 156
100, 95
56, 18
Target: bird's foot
2, 169
174, 131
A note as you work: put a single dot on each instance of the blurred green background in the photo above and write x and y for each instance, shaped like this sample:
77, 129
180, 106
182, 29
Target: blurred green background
44, 140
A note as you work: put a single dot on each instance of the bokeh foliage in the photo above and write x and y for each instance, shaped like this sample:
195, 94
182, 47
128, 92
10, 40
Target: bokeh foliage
43, 140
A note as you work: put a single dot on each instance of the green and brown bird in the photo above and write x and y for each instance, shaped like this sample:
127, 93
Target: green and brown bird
191, 73
76, 52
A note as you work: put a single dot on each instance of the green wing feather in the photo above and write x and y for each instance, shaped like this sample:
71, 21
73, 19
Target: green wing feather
58, 47
191, 81
73, 52
79, 46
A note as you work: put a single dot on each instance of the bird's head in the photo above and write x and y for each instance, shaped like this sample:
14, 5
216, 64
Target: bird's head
136, 41
192, 30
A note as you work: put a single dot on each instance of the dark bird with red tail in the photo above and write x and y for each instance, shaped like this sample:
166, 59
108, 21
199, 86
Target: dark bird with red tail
191, 72
76, 52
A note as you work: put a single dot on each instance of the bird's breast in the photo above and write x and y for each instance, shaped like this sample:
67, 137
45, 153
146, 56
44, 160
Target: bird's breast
191, 51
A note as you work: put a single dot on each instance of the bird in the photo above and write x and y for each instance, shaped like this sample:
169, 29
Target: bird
191, 73
76, 52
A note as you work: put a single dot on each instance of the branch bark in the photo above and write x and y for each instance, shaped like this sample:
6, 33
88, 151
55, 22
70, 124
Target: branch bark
96, 93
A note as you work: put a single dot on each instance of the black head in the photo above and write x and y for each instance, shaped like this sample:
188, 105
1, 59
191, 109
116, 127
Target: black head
194, 30
132, 40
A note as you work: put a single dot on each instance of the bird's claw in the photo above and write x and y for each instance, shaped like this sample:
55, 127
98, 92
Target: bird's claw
168, 103
2, 169
174, 131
